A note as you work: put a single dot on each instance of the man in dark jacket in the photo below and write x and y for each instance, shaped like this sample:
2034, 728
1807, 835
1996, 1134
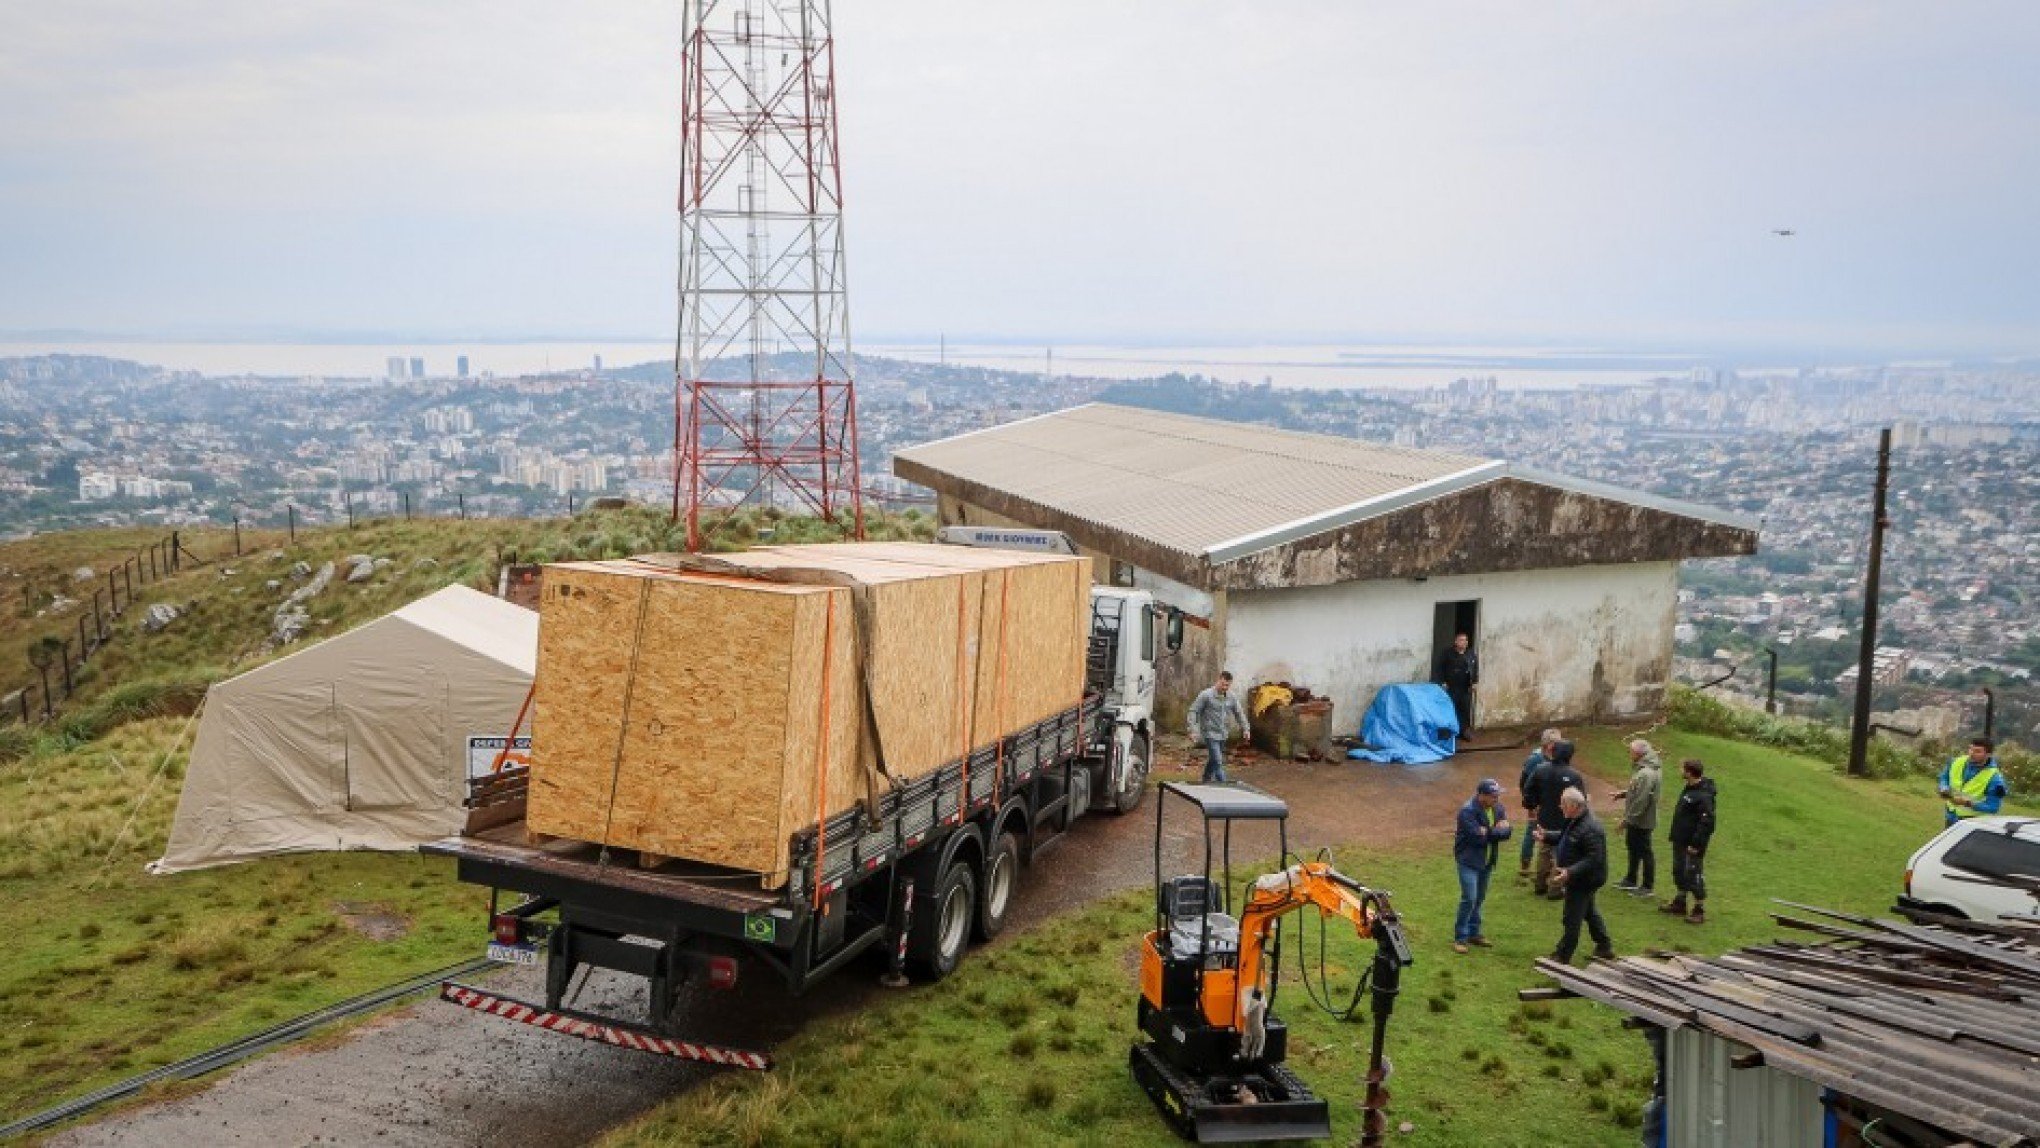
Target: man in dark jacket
1692, 829
1546, 745
1582, 870
1459, 671
1546, 786
1483, 826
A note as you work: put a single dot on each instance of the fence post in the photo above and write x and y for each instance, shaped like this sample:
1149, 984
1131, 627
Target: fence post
24, 703
68, 690
350, 511
292, 507
176, 551
98, 619
127, 573
84, 644
237, 536
460, 500
407, 506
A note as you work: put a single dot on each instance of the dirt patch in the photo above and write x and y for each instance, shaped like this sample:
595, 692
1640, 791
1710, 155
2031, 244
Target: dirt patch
376, 922
1332, 803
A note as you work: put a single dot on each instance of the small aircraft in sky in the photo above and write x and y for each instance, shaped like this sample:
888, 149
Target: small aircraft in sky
1784, 232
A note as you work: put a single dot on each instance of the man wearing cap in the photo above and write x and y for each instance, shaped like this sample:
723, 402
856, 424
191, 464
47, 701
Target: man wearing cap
1483, 826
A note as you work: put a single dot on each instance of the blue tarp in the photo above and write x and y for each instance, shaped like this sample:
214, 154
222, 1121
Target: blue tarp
1412, 724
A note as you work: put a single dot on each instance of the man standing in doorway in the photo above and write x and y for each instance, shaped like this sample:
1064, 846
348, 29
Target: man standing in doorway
1582, 870
1211, 717
1483, 826
1973, 784
1639, 818
1459, 672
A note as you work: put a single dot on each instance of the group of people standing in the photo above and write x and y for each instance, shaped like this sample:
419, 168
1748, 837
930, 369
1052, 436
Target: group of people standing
1564, 852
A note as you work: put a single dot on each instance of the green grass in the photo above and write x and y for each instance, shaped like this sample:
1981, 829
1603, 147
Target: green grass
1027, 1043
114, 972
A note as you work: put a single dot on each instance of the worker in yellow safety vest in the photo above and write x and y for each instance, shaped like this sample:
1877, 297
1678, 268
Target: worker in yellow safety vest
1973, 784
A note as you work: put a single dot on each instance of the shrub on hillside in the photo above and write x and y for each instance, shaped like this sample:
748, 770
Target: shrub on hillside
1690, 709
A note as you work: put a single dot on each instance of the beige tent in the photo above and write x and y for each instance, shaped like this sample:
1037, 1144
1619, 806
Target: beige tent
359, 742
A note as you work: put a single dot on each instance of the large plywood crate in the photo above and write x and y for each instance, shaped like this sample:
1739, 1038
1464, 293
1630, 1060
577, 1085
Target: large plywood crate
711, 710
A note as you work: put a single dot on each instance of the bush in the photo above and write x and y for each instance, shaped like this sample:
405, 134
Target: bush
1689, 709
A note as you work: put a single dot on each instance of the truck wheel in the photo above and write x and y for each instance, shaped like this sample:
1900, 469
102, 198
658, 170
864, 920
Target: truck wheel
1133, 775
942, 932
995, 900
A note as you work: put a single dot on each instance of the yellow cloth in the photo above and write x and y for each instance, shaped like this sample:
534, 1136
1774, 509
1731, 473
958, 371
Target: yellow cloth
1267, 695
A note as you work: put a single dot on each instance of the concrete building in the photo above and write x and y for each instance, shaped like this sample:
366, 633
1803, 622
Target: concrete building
1344, 565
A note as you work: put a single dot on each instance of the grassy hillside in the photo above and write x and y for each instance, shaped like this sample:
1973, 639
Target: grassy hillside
122, 971
229, 603
1027, 1044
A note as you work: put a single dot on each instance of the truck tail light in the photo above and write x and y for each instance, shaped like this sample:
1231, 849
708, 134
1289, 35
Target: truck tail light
722, 972
1908, 882
508, 928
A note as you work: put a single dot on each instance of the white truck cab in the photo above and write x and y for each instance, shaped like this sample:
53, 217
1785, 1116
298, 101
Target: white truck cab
1130, 633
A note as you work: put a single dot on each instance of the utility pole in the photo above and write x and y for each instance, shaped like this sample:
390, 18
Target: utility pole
1866, 662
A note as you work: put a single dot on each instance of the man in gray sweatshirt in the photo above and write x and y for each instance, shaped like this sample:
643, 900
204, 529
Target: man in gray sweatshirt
1211, 717
1639, 817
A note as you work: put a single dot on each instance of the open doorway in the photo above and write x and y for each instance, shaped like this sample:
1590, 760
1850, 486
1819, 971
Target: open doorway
1449, 619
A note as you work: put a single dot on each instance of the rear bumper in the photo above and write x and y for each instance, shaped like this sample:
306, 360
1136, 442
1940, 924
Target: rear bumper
599, 1030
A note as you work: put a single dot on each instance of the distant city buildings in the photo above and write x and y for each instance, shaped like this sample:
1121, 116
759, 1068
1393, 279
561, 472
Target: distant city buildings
460, 367
397, 370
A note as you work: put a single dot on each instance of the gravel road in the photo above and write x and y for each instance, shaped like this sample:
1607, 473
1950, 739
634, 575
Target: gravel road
432, 1075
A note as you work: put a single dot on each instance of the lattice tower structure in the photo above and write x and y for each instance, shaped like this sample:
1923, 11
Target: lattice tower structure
762, 276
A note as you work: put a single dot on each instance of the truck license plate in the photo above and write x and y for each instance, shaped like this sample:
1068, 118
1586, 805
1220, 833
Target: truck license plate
514, 954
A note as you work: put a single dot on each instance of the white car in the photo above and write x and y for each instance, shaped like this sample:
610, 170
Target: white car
1983, 868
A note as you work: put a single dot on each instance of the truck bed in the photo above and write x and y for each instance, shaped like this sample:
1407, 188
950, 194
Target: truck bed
502, 857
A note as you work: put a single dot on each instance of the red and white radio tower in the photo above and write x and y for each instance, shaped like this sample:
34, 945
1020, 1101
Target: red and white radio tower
762, 283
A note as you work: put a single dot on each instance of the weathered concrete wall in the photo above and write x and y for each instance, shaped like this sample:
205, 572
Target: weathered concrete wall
1555, 645
1505, 525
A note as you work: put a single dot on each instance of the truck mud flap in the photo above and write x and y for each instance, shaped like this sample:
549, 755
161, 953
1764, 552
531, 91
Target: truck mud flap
601, 1031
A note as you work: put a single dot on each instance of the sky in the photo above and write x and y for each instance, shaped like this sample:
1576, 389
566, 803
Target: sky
1124, 171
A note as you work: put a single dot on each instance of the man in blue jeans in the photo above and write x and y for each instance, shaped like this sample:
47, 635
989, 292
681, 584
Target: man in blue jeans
1483, 826
1211, 717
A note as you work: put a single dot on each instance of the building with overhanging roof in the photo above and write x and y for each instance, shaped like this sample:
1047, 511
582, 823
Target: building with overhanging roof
1344, 565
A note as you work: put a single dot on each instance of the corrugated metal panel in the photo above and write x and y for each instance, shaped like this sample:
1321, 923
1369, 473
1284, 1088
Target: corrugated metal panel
1221, 490
1712, 1105
1186, 483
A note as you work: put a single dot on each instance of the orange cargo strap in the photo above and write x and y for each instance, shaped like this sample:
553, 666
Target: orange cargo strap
822, 752
999, 684
503, 755
962, 698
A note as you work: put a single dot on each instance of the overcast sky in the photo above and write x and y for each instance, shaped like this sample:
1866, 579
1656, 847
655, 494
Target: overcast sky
1076, 170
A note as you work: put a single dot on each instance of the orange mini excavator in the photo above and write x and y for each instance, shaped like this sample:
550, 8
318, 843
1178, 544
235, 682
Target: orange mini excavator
1213, 1060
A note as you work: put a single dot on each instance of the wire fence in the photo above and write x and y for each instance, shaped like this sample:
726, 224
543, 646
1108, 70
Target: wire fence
57, 659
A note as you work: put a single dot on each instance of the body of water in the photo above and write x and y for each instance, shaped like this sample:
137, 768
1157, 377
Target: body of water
359, 360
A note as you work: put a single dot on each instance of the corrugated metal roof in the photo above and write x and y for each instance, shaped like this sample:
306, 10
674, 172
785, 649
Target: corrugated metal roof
1213, 489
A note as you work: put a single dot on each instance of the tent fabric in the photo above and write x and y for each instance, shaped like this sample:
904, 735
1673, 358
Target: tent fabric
358, 742
1412, 724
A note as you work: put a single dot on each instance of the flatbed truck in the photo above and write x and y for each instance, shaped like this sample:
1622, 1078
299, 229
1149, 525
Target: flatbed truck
933, 871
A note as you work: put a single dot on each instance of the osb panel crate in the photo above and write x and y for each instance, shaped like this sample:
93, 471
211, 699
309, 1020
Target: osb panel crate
681, 713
